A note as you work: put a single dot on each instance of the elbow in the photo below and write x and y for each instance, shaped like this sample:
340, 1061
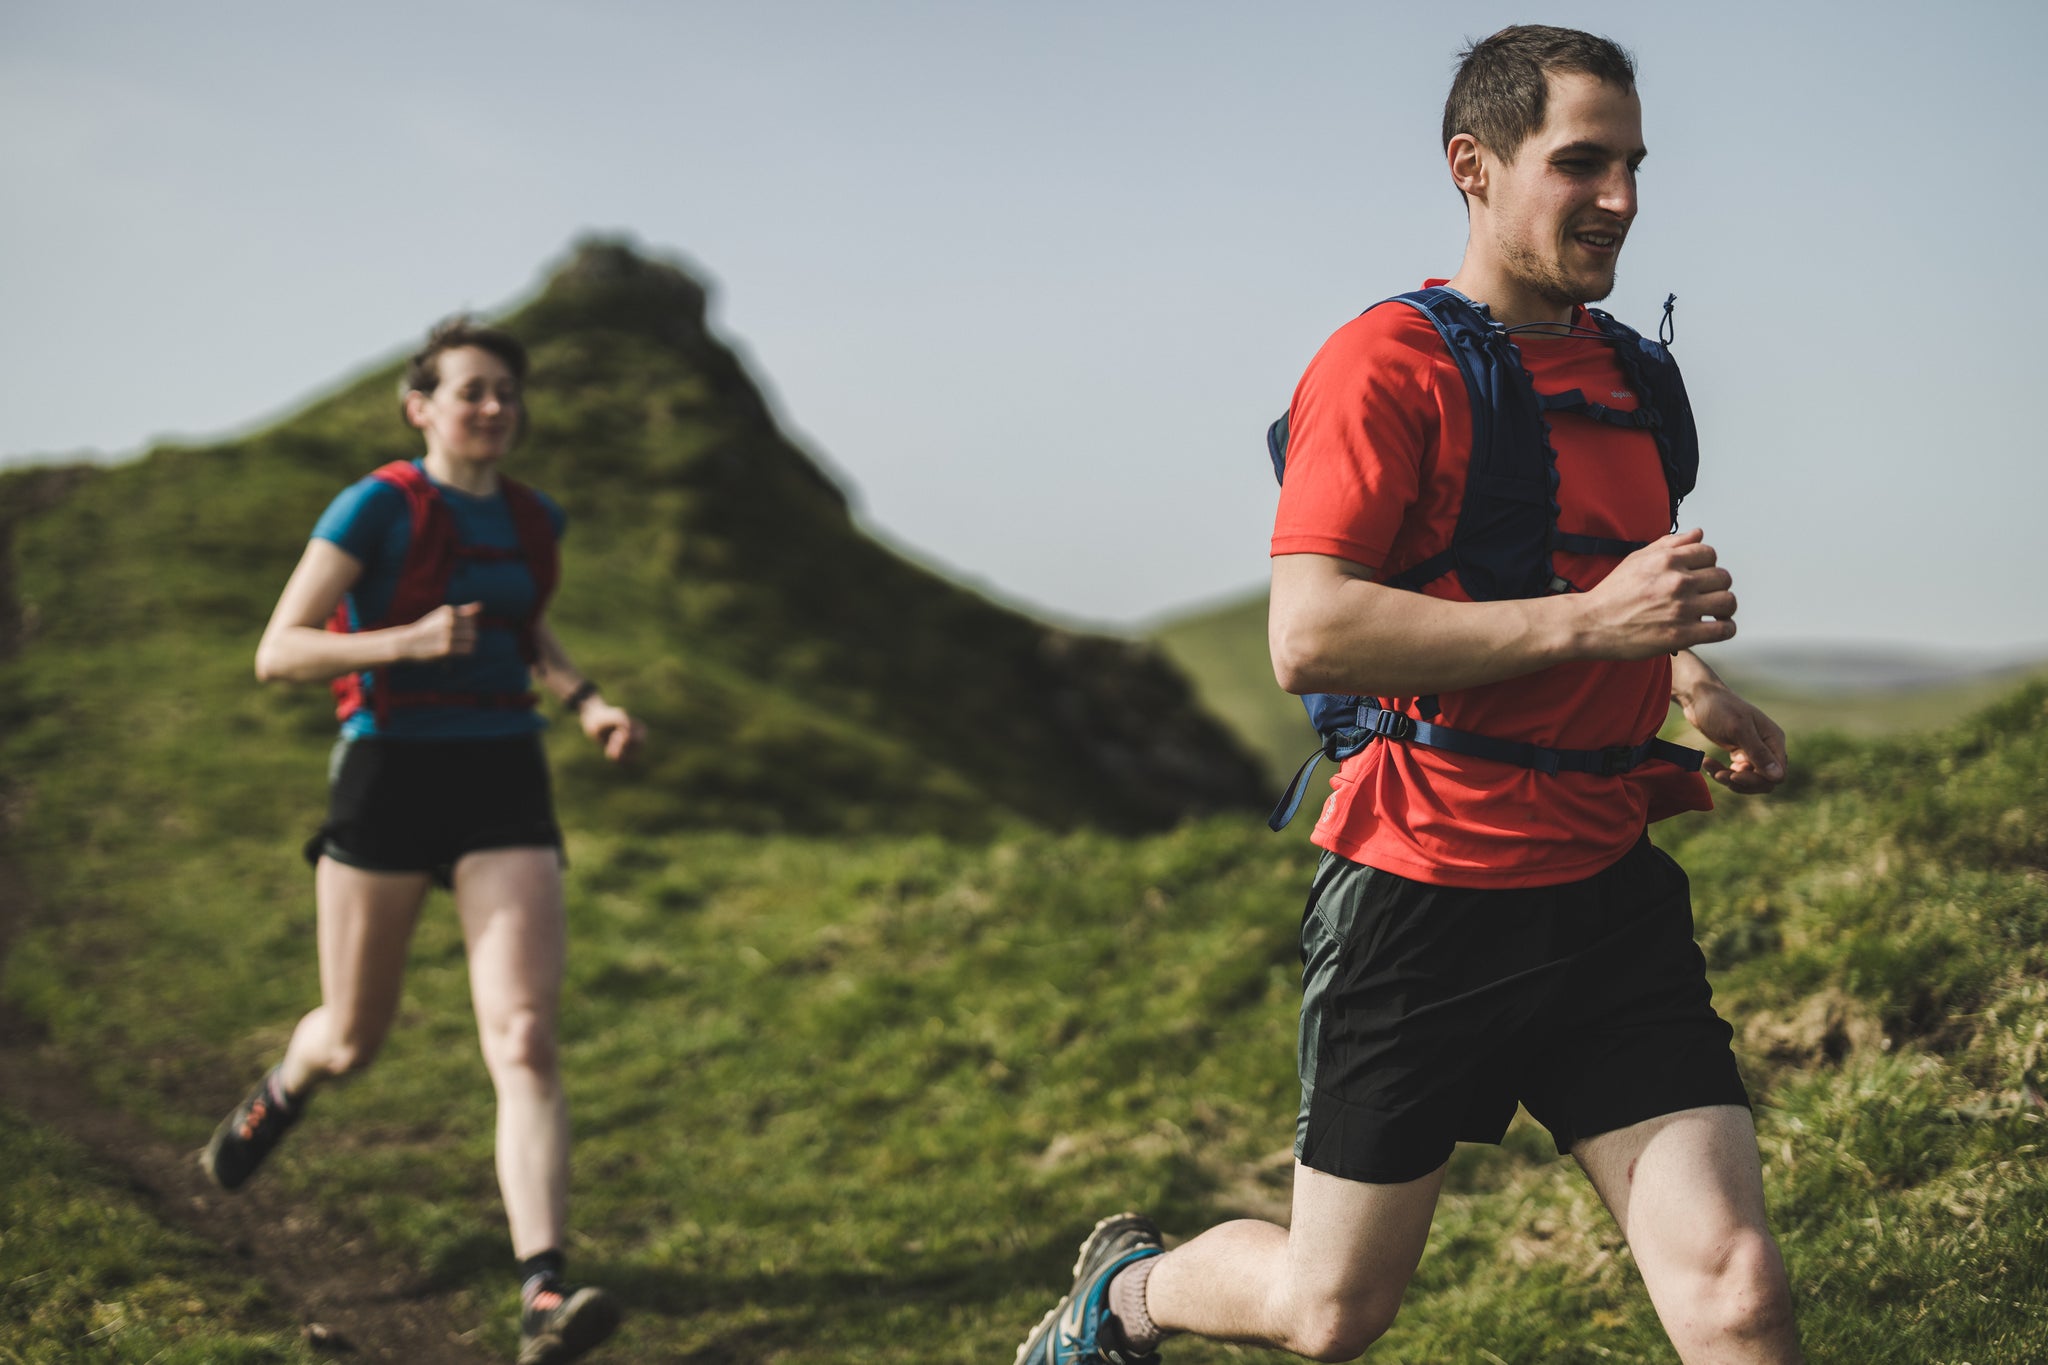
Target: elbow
1297, 663
1291, 677
269, 668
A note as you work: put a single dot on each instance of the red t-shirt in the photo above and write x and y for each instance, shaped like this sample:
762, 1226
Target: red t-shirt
1379, 438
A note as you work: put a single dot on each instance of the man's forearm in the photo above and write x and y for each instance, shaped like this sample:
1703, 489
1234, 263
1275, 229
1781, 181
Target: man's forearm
1332, 629
1353, 636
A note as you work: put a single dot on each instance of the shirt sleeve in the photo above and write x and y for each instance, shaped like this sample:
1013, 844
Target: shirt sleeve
1363, 422
360, 516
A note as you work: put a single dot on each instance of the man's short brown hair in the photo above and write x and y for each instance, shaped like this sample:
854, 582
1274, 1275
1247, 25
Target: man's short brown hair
1502, 85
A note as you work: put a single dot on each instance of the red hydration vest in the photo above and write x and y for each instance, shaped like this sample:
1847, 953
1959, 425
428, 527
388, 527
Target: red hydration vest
430, 559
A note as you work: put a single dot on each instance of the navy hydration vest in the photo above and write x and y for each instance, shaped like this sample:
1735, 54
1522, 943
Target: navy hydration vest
1507, 524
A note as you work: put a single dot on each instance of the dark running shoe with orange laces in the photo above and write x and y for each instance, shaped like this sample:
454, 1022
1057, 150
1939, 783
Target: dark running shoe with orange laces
246, 1136
559, 1322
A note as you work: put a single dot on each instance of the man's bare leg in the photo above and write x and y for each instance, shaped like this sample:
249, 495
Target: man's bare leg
1687, 1190
1326, 1288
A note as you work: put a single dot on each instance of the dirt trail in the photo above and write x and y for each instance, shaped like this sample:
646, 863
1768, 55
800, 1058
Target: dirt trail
369, 1306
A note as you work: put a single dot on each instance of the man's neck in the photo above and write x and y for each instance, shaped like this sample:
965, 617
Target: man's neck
1511, 305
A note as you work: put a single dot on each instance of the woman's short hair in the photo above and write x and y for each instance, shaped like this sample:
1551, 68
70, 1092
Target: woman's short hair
423, 371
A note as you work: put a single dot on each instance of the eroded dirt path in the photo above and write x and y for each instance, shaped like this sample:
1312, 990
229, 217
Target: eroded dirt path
350, 1298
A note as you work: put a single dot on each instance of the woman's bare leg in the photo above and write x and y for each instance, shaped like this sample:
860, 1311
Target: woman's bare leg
510, 901
366, 924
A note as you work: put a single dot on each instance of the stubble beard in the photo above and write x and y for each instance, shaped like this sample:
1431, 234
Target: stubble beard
1546, 277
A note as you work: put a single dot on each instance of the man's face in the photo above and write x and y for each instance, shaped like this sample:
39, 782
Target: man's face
1562, 208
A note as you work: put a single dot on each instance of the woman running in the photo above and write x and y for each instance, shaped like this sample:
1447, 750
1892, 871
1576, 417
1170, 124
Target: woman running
421, 596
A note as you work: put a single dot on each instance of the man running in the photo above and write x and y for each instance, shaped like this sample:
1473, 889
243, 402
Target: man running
1489, 924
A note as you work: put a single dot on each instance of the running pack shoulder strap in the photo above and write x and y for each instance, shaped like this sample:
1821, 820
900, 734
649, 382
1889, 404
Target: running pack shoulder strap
432, 552
541, 550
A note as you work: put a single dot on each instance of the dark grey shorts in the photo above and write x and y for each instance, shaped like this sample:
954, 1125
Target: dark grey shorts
1429, 1012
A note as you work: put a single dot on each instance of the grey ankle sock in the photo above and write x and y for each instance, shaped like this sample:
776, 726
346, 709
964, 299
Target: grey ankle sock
1127, 1306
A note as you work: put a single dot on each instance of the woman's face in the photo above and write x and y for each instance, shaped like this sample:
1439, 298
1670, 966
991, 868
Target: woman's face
474, 412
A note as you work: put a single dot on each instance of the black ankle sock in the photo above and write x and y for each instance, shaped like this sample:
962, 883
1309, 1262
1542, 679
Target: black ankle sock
542, 1266
273, 1084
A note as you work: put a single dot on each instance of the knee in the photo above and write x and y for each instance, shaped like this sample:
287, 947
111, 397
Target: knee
523, 1040
1340, 1329
1740, 1292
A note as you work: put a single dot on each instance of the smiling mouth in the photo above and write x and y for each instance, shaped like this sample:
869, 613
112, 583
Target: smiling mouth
1599, 241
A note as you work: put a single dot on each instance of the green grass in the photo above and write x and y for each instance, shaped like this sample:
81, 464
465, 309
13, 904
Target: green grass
854, 1099
87, 1274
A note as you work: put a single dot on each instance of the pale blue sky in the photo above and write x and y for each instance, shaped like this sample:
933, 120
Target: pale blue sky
1032, 278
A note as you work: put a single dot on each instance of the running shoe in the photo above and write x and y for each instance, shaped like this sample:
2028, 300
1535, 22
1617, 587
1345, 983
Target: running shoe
1072, 1333
246, 1136
559, 1323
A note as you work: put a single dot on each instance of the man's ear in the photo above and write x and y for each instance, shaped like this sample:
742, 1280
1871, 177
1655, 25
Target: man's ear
416, 408
1469, 164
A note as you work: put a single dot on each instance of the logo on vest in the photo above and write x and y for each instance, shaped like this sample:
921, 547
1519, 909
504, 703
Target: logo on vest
1621, 393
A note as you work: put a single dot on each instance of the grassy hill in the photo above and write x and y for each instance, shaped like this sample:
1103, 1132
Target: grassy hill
1222, 650
801, 675
864, 1027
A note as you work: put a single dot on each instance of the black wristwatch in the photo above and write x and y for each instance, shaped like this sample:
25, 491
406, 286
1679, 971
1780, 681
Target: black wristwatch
583, 693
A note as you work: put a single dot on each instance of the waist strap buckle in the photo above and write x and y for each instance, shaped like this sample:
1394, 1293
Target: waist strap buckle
1617, 759
1392, 725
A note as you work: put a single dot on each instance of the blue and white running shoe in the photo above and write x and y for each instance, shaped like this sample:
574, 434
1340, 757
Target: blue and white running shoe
1073, 1332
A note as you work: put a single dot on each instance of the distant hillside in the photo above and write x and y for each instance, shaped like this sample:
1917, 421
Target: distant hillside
796, 674
1868, 691
1222, 649
1846, 669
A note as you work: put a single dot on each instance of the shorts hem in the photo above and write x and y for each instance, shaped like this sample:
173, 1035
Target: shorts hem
323, 845
1731, 1095
1346, 1165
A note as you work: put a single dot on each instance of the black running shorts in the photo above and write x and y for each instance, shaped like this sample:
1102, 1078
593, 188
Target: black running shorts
419, 805
1429, 1012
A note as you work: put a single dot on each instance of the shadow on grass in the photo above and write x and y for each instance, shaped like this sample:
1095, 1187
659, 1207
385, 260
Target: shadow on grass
812, 1309
804, 1310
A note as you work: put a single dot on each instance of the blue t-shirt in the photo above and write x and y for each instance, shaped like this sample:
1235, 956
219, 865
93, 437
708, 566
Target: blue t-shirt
370, 520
